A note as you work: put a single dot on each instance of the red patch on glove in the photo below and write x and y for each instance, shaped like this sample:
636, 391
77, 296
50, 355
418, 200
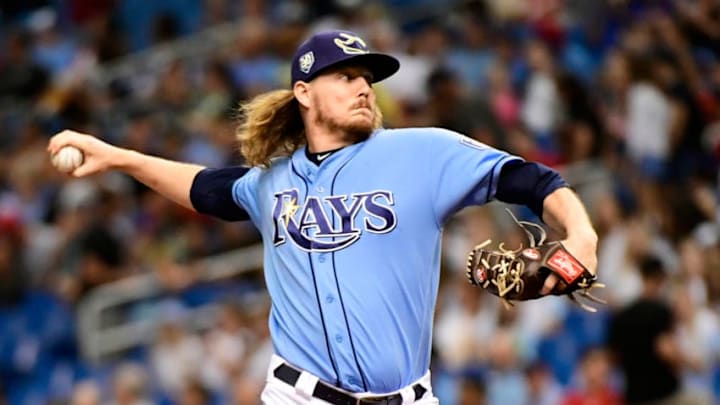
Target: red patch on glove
565, 265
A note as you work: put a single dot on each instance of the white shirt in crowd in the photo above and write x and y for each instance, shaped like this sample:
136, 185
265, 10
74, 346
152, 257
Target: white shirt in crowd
648, 122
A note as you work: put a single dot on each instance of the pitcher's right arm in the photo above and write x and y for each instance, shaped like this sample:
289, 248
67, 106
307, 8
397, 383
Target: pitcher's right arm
187, 184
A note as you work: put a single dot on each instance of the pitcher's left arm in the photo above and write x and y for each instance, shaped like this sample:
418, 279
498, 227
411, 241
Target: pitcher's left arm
549, 196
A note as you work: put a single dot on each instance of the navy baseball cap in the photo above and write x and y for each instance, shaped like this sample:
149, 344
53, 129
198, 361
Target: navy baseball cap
331, 48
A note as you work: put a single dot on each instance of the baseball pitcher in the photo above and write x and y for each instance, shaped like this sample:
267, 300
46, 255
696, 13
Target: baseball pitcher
351, 216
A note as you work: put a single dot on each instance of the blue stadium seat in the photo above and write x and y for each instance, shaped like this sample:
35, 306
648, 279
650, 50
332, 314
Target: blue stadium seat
26, 393
560, 351
589, 329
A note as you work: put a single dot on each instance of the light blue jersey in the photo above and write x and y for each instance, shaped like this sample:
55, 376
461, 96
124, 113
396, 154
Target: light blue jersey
352, 249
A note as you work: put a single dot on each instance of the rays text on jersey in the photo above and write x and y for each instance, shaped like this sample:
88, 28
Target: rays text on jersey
325, 224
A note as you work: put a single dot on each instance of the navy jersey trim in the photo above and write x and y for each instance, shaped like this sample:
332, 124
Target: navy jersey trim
211, 193
490, 184
528, 183
317, 293
337, 283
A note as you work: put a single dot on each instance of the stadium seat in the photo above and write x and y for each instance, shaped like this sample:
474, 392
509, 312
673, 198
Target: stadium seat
561, 352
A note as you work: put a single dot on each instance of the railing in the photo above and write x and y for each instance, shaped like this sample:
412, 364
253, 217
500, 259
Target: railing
99, 342
154, 60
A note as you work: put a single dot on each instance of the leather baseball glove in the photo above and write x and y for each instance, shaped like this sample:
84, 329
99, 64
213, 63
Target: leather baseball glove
519, 275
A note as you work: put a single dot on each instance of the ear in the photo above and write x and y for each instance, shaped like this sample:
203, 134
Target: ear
301, 90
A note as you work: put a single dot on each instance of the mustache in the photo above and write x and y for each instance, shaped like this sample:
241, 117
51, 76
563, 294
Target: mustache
361, 104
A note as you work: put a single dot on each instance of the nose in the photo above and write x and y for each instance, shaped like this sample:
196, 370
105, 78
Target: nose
363, 87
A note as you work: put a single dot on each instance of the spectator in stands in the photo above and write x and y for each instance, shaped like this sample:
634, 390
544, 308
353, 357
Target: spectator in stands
626, 239
254, 66
642, 336
505, 382
543, 389
92, 257
542, 109
453, 107
468, 311
245, 391
473, 55
247, 383
194, 393
386, 37
593, 385
226, 347
86, 393
102, 257
130, 385
697, 333
12, 270
693, 267
255, 367
502, 98
176, 355
611, 101
651, 121
173, 91
23, 78
472, 392
51, 49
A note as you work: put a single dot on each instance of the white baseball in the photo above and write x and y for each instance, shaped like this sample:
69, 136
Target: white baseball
67, 159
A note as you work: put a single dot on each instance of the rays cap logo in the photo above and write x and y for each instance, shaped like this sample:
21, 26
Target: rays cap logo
335, 48
306, 62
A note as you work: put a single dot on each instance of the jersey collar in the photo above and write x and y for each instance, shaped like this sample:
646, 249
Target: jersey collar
310, 171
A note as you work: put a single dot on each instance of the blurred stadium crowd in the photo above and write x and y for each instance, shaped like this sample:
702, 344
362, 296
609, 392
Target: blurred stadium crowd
621, 96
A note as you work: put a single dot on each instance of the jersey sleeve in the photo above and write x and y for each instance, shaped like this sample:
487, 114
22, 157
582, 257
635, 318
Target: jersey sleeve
464, 172
211, 193
245, 192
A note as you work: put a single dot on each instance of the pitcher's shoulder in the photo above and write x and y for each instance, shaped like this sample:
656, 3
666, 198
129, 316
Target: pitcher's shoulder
277, 164
260, 173
416, 136
415, 133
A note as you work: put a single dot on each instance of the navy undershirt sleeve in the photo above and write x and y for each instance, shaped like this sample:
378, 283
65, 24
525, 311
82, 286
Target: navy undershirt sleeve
528, 183
211, 193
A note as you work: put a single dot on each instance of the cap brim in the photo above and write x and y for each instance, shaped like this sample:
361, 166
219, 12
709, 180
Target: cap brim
380, 65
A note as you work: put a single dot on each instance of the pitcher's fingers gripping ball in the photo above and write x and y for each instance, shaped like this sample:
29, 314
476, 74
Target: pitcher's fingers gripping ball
519, 275
67, 159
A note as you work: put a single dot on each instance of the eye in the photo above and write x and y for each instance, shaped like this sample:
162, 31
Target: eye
344, 76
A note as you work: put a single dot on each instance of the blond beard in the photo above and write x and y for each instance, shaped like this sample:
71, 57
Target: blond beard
352, 133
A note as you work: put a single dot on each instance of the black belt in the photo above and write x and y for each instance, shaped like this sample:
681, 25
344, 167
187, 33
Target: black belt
328, 393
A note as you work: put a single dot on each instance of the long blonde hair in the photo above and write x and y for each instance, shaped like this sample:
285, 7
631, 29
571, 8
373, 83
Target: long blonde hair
272, 126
